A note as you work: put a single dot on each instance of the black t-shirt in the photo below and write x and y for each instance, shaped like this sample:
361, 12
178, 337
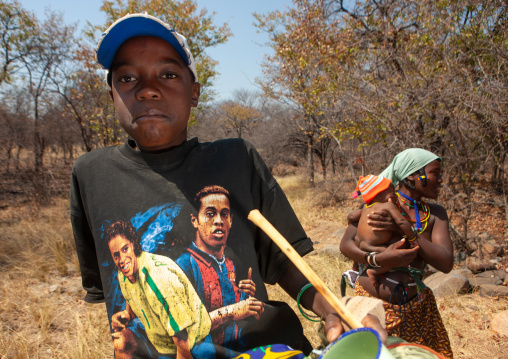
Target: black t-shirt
154, 194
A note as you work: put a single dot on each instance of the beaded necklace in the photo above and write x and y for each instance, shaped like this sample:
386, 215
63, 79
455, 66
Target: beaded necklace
415, 205
370, 204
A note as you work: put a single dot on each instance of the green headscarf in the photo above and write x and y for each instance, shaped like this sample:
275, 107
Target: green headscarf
407, 162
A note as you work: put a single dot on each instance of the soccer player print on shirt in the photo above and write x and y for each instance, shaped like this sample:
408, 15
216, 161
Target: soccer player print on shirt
213, 273
195, 300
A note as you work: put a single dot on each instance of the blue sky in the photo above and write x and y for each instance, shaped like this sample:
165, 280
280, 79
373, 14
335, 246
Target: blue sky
239, 59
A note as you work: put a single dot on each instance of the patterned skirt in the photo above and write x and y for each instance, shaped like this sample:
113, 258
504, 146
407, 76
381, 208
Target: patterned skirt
418, 321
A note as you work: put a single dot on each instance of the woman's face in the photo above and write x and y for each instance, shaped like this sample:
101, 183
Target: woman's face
434, 179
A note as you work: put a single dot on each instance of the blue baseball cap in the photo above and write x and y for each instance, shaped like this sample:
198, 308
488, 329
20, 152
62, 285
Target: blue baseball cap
132, 25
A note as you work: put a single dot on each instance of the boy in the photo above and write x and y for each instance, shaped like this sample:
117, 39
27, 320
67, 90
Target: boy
379, 195
149, 179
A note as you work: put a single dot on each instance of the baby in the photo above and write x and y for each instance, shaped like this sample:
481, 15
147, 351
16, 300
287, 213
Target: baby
378, 193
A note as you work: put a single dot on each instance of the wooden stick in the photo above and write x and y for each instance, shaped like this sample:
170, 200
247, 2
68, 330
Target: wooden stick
259, 220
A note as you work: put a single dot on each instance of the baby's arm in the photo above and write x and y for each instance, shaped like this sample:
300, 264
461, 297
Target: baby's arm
368, 247
354, 216
400, 220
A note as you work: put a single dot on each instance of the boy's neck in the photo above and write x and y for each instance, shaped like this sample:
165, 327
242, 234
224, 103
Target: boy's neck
135, 146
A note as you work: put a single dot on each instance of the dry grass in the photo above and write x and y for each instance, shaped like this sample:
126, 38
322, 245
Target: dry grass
43, 316
314, 205
329, 269
42, 313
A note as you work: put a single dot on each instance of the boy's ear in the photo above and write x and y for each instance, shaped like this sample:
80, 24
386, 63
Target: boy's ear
196, 92
111, 94
194, 221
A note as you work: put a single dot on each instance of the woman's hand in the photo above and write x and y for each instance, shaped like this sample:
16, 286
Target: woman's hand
382, 221
397, 256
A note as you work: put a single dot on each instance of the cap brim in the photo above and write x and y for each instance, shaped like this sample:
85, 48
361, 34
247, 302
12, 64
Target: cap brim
128, 27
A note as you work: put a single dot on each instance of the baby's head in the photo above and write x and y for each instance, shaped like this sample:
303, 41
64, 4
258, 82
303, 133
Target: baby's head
375, 189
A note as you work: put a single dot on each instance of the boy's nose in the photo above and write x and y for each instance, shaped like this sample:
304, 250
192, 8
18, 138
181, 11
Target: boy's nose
148, 92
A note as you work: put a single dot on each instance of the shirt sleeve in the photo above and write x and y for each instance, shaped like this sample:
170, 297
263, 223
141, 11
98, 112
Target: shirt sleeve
85, 247
275, 207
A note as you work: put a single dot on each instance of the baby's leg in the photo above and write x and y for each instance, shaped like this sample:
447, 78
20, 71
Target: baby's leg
371, 273
355, 266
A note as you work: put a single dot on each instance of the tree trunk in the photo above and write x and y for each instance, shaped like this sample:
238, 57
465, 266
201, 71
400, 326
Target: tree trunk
310, 159
38, 151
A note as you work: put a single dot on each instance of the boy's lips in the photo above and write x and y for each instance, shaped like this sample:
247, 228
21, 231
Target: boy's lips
218, 233
125, 267
149, 113
148, 117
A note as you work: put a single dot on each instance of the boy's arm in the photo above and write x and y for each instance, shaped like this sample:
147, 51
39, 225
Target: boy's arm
438, 252
292, 280
88, 263
181, 340
85, 246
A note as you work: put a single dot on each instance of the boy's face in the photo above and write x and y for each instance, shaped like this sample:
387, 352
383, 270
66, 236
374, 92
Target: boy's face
153, 92
213, 222
387, 194
122, 251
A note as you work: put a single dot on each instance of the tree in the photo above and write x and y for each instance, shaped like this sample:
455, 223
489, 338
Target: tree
300, 72
16, 28
399, 74
238, 115
14, 116
52, 44
87, 99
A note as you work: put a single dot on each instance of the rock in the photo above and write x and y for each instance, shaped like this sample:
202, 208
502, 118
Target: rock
484, 237
492, 274
430, 270
479, 281
495, 261
53, 288
500, 323
472, 242
463, 271
476, 264
331, 250
491, 249
443, 284
490, 290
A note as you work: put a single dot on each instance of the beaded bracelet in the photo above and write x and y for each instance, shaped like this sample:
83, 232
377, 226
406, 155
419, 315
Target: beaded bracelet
413, 236
306, 316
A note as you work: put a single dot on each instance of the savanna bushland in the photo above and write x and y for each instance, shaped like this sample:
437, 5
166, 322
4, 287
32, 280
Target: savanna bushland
347, 86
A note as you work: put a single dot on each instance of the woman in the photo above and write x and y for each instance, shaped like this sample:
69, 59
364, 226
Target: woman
411, 311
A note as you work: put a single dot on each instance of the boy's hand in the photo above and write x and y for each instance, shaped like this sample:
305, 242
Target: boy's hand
119, 320
247, 285
334, 328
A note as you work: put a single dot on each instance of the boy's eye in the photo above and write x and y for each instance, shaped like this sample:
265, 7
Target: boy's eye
126, 78
169, 75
